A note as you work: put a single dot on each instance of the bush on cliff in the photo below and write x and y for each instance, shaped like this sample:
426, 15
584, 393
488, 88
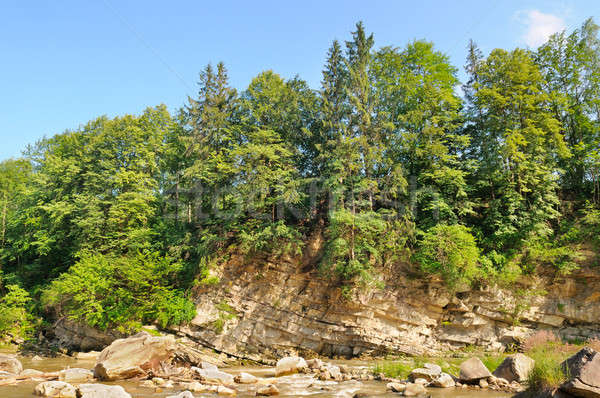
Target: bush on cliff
124, 292
451, 252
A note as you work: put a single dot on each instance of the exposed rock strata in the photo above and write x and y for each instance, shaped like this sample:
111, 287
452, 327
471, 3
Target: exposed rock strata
283, 307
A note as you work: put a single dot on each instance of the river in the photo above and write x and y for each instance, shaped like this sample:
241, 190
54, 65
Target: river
289, 386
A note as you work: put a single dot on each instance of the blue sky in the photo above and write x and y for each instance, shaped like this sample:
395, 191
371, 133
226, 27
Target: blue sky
65, 62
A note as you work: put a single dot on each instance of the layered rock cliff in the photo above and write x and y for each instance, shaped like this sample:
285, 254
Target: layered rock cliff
270, 307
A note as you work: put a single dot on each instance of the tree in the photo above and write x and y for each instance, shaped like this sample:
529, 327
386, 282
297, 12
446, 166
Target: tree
92, 189
14, 177
522, 145
415, 88
570, 65
208, 138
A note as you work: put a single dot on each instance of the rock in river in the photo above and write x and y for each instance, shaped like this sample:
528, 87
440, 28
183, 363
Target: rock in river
288, 365
10, 364
101, 391
214, 375
134, 356
515, 368
472, 370
75, 375
414, 389
267, 391
429, 372
58, 389
245, 378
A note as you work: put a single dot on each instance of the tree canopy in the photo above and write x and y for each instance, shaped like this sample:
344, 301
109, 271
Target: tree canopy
395, 167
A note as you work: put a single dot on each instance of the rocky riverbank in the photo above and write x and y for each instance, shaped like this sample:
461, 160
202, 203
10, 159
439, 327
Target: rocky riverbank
162, 365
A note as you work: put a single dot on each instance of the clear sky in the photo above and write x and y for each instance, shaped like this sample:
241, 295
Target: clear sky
65, 62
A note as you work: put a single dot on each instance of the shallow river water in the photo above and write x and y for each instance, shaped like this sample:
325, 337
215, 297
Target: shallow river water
289, 386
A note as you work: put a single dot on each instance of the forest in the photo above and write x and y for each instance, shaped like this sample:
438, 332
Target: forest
393, 160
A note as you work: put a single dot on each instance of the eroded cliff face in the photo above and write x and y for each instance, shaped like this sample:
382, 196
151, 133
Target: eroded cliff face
268, 308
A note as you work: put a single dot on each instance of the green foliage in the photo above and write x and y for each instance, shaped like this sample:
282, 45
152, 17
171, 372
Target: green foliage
15, 318
451, 252
547, 373
540, 252
516, 142
394, 369
115, 220
270, 237
123, 292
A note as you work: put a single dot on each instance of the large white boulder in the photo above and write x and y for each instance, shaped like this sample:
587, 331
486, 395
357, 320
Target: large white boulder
58, 389
10, 364
75, 375
515, 368
134, 356
214, 376
101, 391
289, 365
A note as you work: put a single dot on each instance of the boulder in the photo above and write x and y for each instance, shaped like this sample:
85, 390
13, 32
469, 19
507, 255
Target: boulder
396, 387
289, 365
75, 375
314, 363
334, 372
428, 372
183, 394
207, 366
414, 389
31, 373
583, 369
196, 387
58, 389
6, 375
515, 368
267, 391
10, 364
472, 370
226, 391
134, 356
214, 376
101, 391
444, 380
577, 388
87, 355
245, 378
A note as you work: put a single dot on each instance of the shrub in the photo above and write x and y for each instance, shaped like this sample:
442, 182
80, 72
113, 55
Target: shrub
15, 319
548, 352
451, 252
120, 292
541, 252
277, 237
